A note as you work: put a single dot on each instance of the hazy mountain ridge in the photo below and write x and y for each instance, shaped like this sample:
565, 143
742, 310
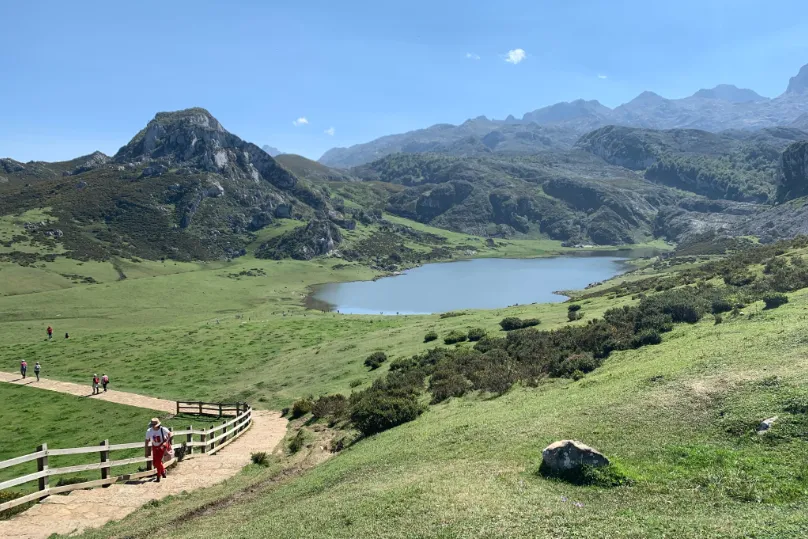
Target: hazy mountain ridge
724, 107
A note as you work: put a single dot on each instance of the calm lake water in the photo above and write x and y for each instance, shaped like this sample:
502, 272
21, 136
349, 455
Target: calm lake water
486, 283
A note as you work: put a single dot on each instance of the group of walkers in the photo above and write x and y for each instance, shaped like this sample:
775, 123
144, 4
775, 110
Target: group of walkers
50, 334
24, 369
98, 382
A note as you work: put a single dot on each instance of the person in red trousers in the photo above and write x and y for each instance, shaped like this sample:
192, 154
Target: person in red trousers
159, 438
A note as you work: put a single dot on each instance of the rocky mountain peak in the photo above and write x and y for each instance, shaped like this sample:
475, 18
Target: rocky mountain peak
731, 93
271, 150
799, 83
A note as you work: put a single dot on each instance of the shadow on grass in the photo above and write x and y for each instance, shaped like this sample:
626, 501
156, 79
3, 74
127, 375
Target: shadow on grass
606, 476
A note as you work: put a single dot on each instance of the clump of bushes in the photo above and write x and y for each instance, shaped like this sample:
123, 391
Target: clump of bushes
260, 458
430, 336
333, 408
574, 312
297, 443
455, 336
375, 360
718, 319
452, 314
475, 334
721, 305
300, 408
774, 300
375, 410
512, 322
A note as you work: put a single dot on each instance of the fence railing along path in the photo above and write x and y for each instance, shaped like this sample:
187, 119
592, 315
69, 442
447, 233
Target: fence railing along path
191, 441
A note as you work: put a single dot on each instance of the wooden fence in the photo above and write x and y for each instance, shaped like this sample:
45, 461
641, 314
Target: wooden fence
217, 409
191, 440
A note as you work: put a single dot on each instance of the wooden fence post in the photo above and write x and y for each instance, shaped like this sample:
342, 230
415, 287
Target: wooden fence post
212, 436
204, 439
42, 466
190, 439
200, 407
224, 431
105, 458
220, 409
178, 407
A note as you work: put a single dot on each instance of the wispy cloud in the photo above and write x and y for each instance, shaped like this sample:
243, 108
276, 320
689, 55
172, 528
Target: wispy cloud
602, 77
330, 131
472, 56
515, 56
300, 121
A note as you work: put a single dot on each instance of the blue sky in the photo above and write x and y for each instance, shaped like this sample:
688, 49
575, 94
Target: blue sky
81, 76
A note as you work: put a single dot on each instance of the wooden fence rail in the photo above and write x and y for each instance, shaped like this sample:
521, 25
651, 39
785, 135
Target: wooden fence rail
209, 440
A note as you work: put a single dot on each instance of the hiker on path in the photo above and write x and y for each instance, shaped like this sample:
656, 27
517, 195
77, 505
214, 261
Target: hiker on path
67, 335
104, 382
50, 333
160, 439
37, 368
23, 368
96, 382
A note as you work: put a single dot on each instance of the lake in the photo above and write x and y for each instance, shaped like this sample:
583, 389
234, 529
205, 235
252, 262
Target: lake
484, 283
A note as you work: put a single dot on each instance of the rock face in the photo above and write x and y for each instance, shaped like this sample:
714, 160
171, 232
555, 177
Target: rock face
318, 237
793, 173
195, 139
569, 454
799, 83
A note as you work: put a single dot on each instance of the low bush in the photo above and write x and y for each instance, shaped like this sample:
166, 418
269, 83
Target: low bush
300, 408
774, 300
446, 384
430, 336
572, 316
375, 360
476, 334
452, 314
455, 336
374, 411
647, 337
330, 407
718, 319
297, 443
574, 307
721, 306
530, 322
512, 322
7, 496
260, 458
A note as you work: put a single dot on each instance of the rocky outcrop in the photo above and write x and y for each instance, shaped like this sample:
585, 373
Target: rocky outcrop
566, 455
440, 198
798, 84
196, 140
318, 237
793, 172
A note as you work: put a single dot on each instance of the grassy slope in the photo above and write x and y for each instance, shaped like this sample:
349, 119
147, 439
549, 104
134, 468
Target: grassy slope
678, 418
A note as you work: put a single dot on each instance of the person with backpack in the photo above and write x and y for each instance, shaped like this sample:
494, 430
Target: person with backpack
50, 333
23, 368
37, 368
96, 383
104, 382
159, 438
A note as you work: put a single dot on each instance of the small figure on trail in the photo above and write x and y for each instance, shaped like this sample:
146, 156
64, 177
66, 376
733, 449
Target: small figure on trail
67, 335
104, 382
96, 383
23, 368
50, 333
160, 439
37, 368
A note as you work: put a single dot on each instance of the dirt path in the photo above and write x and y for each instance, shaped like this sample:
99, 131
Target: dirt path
120, 397
83, 509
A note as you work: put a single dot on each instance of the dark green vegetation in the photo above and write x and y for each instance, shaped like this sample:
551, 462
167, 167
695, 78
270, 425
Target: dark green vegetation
375, 360
511, 323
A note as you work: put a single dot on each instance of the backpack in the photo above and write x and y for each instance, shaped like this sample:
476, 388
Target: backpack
105, 379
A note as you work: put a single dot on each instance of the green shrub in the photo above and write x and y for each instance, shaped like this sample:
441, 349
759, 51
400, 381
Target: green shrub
455, 336
7, 496
511, 323
476, 334
446, 384
330, 407
647, 337
300, 408
572, 316
774, 300
577, 375
718, 319
260, 458
430, 336
375, 411
721, 306
452, 314
530, 322
564, 367
574, 307
375, 360
356, 383
297, 443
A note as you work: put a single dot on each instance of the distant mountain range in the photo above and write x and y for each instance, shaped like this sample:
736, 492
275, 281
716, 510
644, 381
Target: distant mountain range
271, 150
558, 126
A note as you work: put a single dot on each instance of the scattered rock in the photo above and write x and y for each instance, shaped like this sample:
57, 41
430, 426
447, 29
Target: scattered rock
283, 211
766, 424
153, 171
570, 454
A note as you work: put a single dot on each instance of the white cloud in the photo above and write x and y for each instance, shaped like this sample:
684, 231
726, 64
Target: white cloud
515, 56
472, 56
330, 131
602, 77
300, 121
